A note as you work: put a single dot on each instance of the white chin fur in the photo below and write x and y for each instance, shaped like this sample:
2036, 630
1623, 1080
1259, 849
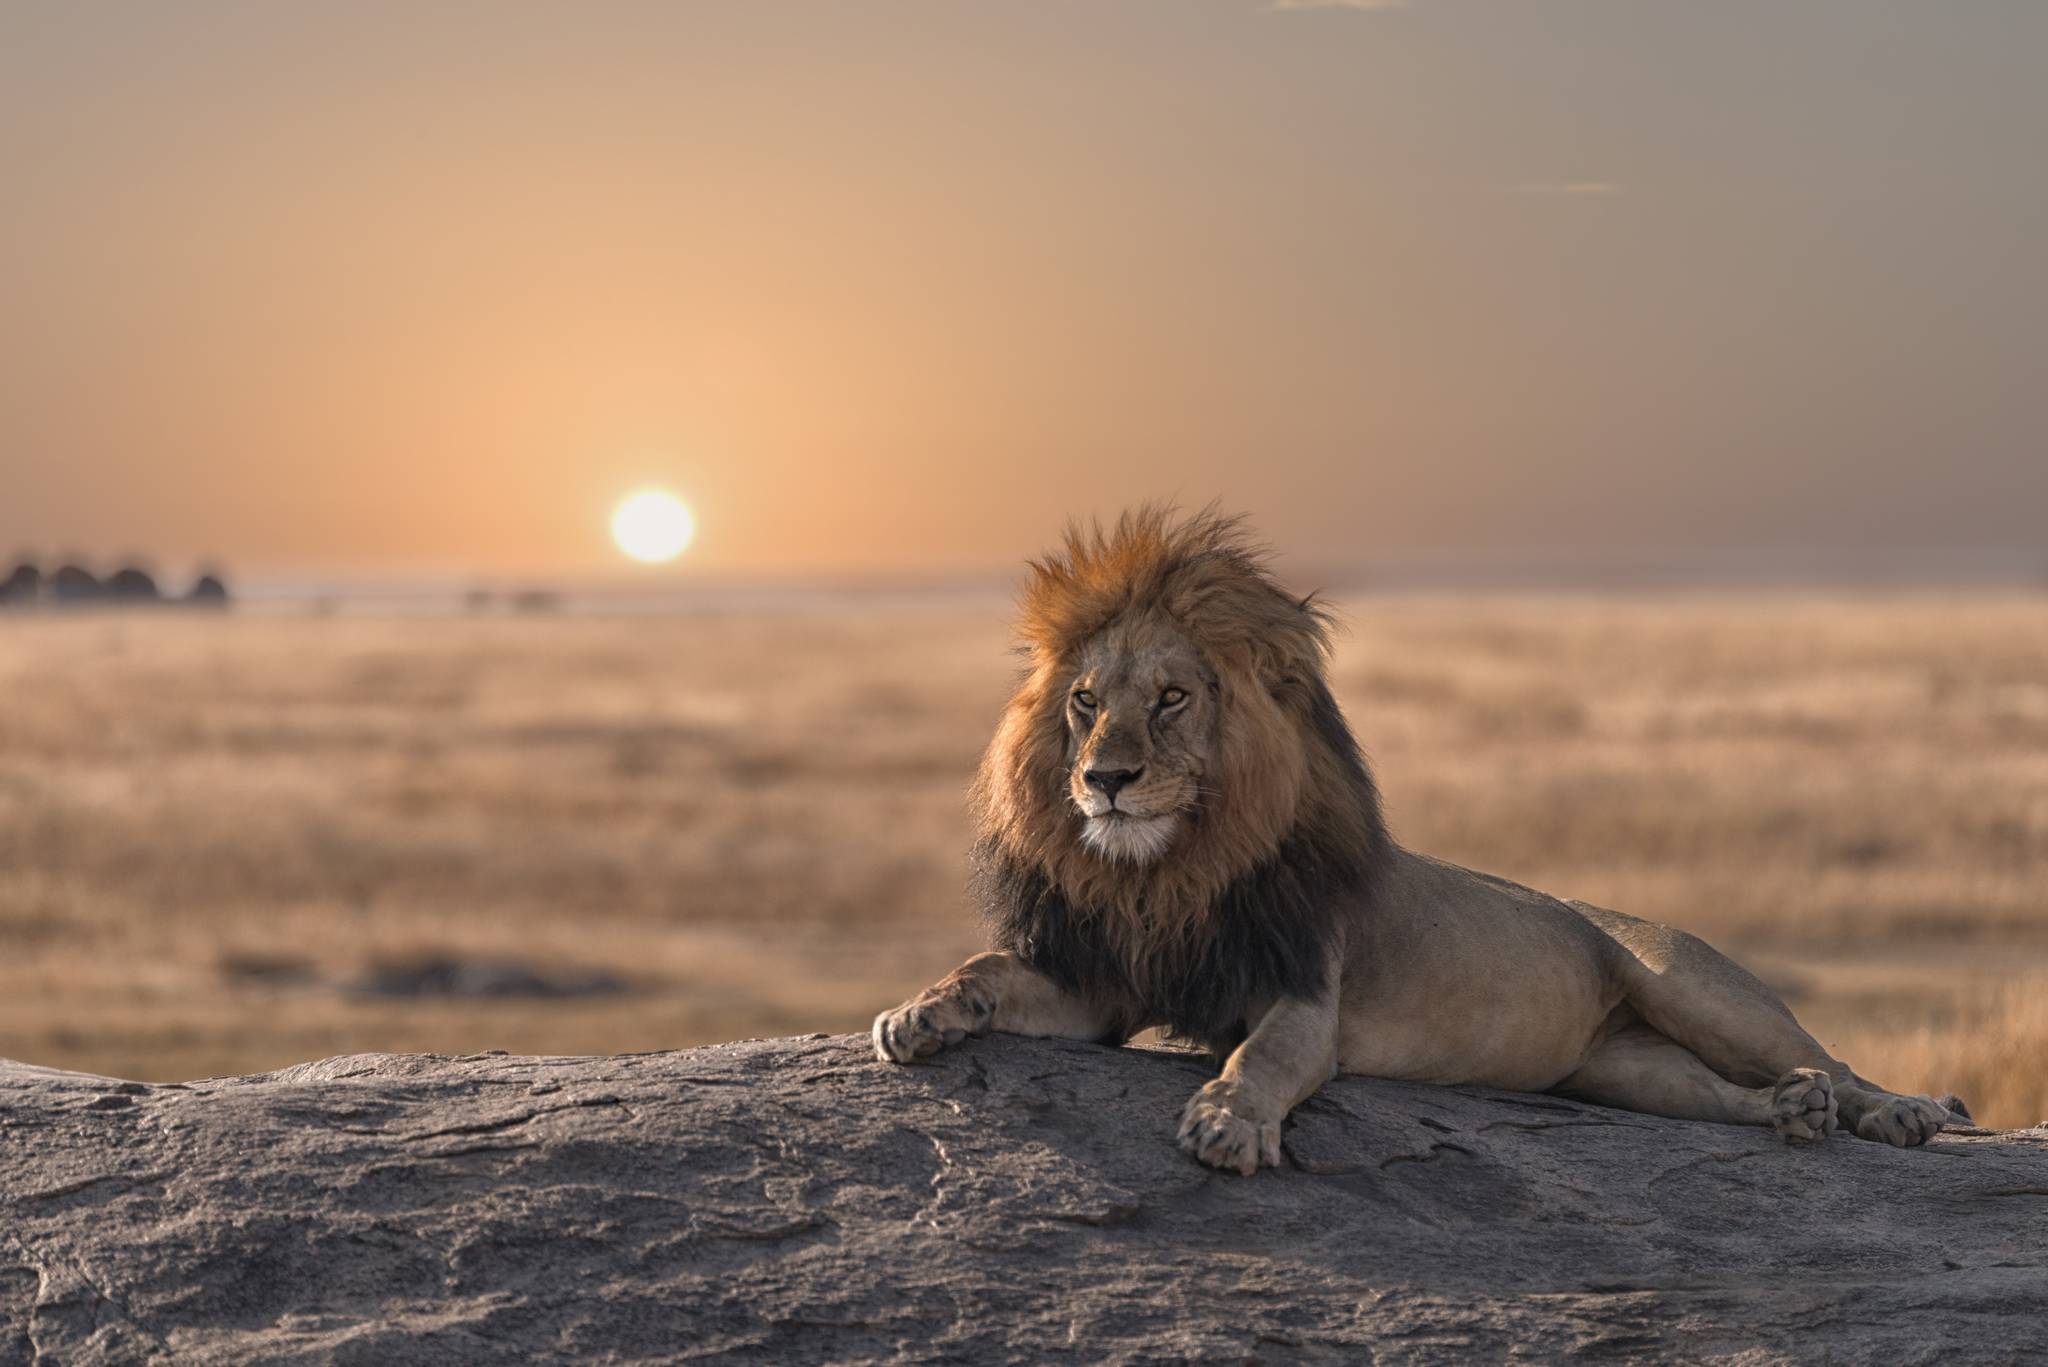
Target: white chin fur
1135, 839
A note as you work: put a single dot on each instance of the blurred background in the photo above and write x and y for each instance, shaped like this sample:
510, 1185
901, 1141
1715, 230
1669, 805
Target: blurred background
515, 504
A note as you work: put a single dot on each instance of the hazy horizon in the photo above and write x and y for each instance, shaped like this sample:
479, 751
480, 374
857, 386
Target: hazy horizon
895, 289
1746, 572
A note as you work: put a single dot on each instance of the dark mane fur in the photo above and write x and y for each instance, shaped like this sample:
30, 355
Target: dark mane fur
1267, 936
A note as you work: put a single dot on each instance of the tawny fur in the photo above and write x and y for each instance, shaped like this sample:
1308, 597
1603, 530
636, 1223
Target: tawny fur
1274, 919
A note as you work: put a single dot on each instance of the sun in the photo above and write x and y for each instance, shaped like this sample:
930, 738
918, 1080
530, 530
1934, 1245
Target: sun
653, 526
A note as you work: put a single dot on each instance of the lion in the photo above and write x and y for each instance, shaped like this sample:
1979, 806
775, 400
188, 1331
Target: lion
1177, 830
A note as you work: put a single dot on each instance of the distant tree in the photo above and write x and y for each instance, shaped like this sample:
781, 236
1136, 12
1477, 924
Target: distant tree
22, 587
208, 592
72, 585
132, 585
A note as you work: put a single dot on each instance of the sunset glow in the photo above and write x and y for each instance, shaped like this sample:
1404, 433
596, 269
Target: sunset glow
1486, 280
653, 526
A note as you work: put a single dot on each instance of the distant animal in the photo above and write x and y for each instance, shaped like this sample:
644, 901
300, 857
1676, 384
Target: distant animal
24, 585
1177, 830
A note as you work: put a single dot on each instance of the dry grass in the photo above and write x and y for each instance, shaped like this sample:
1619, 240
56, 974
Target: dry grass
208, 825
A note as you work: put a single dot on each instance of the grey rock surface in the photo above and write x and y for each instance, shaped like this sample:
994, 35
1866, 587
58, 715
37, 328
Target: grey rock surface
793, 1201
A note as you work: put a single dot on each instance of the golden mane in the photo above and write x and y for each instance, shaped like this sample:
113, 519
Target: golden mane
1206, 572
1284, 769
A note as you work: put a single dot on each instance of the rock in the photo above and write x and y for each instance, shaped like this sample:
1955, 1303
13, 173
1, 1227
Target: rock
793, 1201
208, 591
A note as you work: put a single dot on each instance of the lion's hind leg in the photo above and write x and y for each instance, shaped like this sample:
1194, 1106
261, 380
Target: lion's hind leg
1638, 1069
1697, 997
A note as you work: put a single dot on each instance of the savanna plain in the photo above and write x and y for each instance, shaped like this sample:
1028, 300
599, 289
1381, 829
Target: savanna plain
234, 842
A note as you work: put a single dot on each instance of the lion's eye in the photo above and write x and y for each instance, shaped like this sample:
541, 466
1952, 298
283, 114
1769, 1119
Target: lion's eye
1084, 699
1173, 697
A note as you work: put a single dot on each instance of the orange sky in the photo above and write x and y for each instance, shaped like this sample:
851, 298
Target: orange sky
383, 288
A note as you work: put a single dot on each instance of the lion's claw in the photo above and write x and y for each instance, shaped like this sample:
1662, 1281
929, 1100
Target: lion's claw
1213, 1133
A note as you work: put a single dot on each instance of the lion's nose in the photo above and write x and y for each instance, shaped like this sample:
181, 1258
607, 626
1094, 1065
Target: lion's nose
1110, 782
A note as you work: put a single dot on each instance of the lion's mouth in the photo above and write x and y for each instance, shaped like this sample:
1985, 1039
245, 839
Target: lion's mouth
1128, 836
1125, 806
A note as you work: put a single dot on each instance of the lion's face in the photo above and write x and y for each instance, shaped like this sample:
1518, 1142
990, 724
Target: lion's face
1141, 717
1172, 734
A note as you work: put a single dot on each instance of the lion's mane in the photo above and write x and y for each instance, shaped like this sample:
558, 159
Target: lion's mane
1286, 837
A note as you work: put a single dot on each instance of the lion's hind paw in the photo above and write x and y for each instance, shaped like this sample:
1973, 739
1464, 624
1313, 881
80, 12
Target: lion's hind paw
1903, 1121
1803, 1106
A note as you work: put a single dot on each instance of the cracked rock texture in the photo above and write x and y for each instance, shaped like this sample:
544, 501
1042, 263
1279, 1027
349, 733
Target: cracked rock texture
793, 1201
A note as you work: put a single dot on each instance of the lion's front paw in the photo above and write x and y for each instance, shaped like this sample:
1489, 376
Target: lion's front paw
920, 1028
1221, 1137
1803, 1107
1903, 1121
